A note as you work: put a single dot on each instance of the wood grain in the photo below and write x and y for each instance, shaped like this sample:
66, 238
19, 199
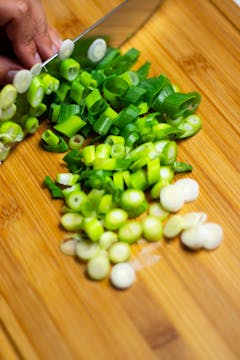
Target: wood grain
184, 305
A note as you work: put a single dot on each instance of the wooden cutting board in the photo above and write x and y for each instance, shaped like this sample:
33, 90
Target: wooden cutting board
184, 305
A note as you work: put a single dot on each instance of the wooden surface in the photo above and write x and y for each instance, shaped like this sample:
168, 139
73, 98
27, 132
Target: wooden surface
184, 305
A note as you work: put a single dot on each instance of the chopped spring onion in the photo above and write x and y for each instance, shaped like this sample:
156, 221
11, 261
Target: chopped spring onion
122, 275
36, 69
69, 69
72, 221
98, 267
69, 247
67, 179
97, 50
11, 132
134, 202
115, 219
171, 198
86, 249
66, 49
9, 112
70, 126
152, 228
173, 226
156, 189
193, 218
119, 252
107, 239
35, 92
75, 199
22, 80
8, 96
208, 236
93, 228
189, 188
76, 141
31, 124
4, 151
130, 232
157, 210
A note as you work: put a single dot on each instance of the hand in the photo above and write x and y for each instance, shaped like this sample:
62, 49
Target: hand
24, 29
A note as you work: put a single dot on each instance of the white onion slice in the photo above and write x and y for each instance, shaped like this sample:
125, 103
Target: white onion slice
36, 69
193, 218
189, 187
172, 198
97, 50
122, 275
22, 80
66, 49
214, 237
173, 226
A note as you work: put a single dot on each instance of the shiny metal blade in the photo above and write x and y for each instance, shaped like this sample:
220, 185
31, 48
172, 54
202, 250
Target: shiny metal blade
116, 28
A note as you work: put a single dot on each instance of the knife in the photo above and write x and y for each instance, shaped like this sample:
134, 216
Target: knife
116, 27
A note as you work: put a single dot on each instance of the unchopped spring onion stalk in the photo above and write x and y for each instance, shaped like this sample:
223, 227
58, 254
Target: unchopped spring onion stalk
22, 81
171, 198
98, 267
119, 252
66, 49
152, 228
189, 188
97, 50
122, 275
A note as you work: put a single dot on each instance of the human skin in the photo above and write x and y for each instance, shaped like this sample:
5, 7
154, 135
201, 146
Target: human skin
25, 36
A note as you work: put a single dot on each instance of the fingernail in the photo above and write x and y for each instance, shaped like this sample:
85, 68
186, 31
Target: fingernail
11, 74
54, 49
37, 58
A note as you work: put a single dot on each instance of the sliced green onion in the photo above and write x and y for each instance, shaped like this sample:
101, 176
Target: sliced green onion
87, 80
49, 137
97, 50
103, 151
70, 126
166, 173
4, 151
56, 191
115, 219
69, 69
77, 92
193, 218
156, 189
189, 126
8, 96
9, 112
152, 228
138, 180
66, 49
11, 132
134, 202
76, 141
39, 110
189, 188
119, 252
169, 153
130, 232
178, 104
72, 221
180, 166
98, 267
36, 69
122, 276
171, 198
107, 239
35, 93
113, 139
114, 88
157, 210
31, 124
75, 199
173, 226
153, 171
86, 249
22, 80
105, 204
69, 247
88, 154
93, 228
118, 151
67, 179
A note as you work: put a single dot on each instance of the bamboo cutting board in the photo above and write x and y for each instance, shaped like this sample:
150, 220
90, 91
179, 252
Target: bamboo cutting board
184, 305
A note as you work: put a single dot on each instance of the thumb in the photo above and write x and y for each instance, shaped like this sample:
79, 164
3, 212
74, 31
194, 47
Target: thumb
8, 69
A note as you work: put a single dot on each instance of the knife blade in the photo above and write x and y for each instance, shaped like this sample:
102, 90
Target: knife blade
116, 27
